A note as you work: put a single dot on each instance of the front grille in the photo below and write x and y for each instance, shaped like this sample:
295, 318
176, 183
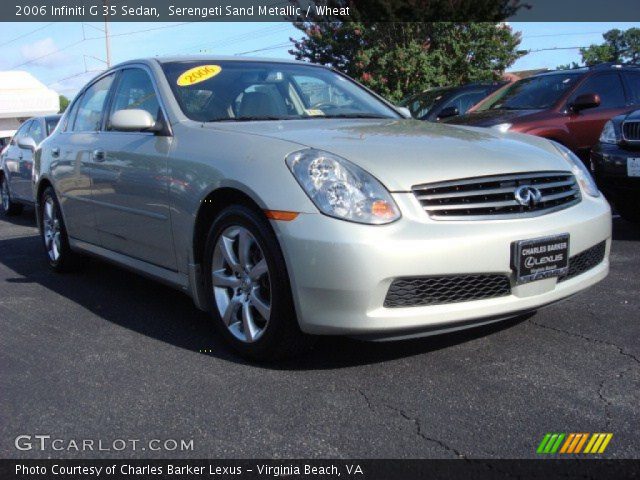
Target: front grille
631, 131
494, 197
585, 260
422, 291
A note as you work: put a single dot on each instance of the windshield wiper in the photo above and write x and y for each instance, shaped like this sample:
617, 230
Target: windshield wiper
247, 118
353, 115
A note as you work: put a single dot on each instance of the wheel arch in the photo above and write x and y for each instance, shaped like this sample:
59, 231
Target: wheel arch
211, 205
43, 184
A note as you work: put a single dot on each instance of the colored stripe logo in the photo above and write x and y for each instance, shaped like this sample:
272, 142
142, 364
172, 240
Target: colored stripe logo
573, 443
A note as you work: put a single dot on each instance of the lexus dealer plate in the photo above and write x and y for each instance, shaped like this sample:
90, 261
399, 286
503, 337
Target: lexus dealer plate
540, 258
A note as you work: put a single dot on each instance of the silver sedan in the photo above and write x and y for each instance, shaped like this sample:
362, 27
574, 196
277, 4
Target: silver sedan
288, 200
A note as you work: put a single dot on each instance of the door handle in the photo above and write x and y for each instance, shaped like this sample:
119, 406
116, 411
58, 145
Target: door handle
20, 156
55, 152
99, 155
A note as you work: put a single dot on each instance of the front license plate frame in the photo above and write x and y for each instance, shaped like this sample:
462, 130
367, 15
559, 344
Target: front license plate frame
633, 167
543, 257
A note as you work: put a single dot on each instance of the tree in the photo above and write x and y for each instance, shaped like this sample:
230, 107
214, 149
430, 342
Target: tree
619, 47
399, 59
64, 103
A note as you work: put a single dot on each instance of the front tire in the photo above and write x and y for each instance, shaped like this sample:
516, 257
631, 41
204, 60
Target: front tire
248, 287
53, 232
8, 207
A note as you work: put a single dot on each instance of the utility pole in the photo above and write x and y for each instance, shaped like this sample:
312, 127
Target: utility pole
106, 32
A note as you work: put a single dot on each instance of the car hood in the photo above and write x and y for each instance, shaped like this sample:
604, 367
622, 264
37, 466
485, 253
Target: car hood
488, 118
403, 153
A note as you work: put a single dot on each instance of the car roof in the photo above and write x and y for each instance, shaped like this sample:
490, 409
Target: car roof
217, 58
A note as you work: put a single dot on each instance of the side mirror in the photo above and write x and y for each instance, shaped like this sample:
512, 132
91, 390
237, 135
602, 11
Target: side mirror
404, 111
584, 101
133, 120
27, 143
448, 112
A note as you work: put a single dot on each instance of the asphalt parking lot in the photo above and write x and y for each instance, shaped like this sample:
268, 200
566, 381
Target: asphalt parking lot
106, 354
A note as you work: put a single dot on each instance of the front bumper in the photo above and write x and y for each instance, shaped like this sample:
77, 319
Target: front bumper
340, 272
609, 167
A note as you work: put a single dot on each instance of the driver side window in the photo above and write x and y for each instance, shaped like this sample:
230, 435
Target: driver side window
608, 86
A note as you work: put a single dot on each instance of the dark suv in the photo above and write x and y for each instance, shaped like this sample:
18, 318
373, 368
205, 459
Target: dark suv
615, 162
568, 106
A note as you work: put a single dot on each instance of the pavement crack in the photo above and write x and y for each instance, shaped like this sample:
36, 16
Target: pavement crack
586, 338
416, 422
421, 434
602, 385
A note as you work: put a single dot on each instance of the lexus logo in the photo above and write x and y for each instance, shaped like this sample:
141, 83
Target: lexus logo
527, 196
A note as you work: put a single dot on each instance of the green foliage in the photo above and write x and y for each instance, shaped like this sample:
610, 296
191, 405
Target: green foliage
619, 47
64, 103
400, 59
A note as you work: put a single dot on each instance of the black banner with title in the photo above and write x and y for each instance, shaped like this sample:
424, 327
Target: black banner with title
319, 10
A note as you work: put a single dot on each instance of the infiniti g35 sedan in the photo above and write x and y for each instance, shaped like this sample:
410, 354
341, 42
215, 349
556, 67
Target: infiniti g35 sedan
289, 201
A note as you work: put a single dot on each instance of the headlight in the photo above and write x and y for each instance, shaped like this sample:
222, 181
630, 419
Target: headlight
502, 127
341, 189
579, 170
609, 134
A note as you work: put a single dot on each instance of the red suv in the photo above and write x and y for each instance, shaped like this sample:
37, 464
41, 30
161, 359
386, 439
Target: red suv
568, 106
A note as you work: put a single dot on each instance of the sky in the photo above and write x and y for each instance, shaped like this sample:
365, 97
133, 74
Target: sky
64, 56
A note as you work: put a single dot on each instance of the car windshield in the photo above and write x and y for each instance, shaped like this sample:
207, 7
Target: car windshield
244, 91
421, 104
533, 93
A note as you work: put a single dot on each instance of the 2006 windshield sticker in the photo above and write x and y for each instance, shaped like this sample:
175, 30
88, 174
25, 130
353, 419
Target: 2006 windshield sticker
198, 74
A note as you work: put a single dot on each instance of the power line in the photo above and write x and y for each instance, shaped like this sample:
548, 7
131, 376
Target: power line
560, 34
553, 48
26, 34
58, 50
73, 76
258, 33
272, 47
134, 32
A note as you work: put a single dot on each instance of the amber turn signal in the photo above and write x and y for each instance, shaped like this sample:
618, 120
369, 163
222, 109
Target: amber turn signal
281, 215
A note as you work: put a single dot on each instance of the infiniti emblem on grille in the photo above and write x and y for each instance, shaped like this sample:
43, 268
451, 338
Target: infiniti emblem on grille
527, 196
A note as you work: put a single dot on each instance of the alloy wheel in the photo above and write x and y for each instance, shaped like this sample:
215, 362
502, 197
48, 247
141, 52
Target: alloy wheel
241, 284
51, 229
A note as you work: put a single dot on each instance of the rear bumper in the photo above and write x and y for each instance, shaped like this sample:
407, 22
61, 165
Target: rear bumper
340, 272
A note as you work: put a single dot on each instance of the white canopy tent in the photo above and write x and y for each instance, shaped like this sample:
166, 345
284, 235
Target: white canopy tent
23, 96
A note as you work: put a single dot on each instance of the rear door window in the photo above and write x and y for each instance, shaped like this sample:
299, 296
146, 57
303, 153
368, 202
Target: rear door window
24, 128
91, 105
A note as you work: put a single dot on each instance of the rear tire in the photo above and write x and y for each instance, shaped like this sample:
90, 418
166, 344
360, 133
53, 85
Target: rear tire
53, 232
8, 207
248, 287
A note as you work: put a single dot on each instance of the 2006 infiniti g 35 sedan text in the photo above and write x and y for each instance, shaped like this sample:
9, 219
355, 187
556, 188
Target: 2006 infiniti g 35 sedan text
288, 200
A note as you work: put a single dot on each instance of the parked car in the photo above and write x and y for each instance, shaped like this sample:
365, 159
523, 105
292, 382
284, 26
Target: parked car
568, 106
16, 163
615, 162
288, 200
436, 104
